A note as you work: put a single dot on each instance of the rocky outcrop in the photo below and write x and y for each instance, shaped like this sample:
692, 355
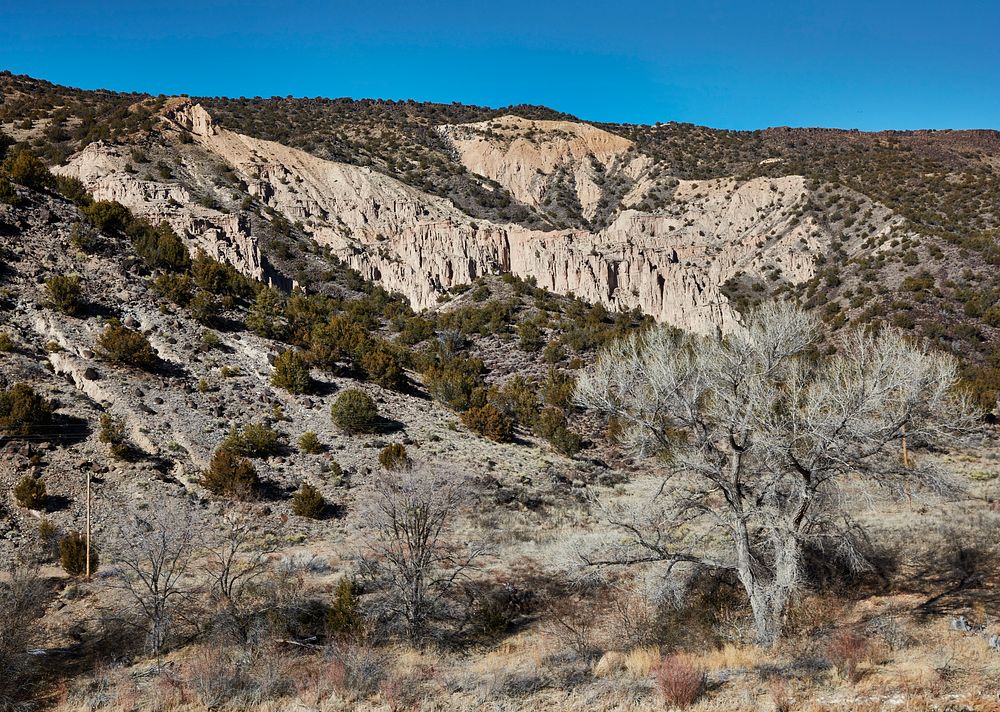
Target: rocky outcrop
105, 170
669, 263
528, 157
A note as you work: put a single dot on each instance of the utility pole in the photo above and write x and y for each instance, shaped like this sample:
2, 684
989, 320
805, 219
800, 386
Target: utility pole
88, 526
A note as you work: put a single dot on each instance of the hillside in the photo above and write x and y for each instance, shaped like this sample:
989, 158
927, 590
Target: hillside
271, 333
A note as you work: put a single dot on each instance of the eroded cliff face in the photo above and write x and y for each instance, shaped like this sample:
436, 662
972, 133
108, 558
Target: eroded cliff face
669, 263
107, 172
531, 158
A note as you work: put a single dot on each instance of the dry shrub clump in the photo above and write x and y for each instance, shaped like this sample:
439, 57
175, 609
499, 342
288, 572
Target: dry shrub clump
679, 682
847, 650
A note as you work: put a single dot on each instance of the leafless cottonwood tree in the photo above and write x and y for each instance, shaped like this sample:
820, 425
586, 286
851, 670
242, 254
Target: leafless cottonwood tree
411, 552
151, 566
767, 445
234, 567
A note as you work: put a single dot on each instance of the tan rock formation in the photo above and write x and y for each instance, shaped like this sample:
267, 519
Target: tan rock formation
525, 156
669, 264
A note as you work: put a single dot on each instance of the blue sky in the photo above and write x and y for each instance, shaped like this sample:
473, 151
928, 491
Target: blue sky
848, 64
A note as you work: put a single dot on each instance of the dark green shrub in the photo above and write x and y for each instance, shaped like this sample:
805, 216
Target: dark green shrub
517, 399
218, 278
73, 554
551, 425
74, 190
354, 412
30, 492
336, 472
64, 293
394, 457
255, 440
7, 193
160, 247
121, 345
229, 475
530, 337
175, 288
308, 502
266, 315
108, 216
6, 343
454, 382
558, 389
415, 330
26, 169
309, 443
488, 421
205, 308
343, 617
336, 341
554, 352
22, 411
291, 372
112, 434
383, 365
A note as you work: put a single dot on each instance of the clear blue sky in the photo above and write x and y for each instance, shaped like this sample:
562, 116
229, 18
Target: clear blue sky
851, 64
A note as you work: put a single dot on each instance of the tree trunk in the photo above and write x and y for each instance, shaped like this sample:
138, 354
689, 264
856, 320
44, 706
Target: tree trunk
769, 597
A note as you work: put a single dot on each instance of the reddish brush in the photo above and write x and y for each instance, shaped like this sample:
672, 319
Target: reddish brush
680, 683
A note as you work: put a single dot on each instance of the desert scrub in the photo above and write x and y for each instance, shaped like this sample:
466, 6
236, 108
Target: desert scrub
73, 554
254, 440
490, 422
309, 443
355, 412
229, 475
308, 502
343, 617
120, 345
30, 493
63, 293
551, 425
112, 434
394, 457
22, 411
26, 169
291, 373
266, 316
383, 365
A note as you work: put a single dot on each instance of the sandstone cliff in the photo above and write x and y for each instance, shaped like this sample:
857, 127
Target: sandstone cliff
669, 262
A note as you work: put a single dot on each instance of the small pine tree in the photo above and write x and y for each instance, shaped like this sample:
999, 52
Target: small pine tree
73, 554
394, 457
229, 475
30, 493
343, 617
121, 345
22, 410
309, 443
308, 502
65, 295
25, 168
489, 422
266, 315
291, 372
355, 412
112, 434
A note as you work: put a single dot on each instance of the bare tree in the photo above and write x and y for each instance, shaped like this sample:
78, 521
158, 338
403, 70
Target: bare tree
22, 601
768, 446
411, 552
154, 553
235, 566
